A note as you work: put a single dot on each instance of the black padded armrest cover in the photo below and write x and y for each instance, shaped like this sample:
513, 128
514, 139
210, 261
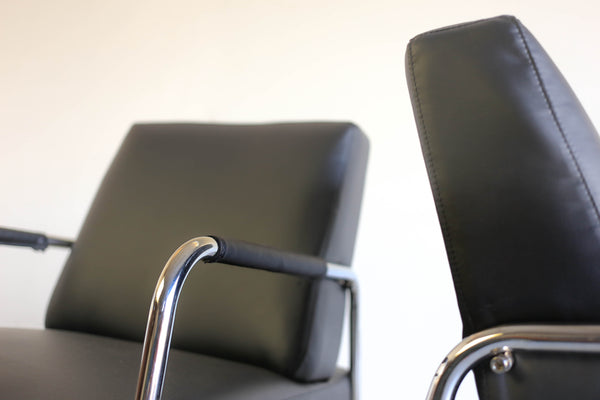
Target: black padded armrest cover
244, 254
36, 241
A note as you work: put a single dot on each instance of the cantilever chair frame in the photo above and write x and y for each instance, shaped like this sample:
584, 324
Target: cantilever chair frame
499, 346
157, 340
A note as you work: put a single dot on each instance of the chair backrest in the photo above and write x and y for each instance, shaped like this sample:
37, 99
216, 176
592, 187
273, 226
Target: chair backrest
294, 187
514, 166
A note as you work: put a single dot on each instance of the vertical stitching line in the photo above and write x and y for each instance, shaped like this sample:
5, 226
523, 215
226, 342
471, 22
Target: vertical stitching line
454, 267
556, 120
451, 28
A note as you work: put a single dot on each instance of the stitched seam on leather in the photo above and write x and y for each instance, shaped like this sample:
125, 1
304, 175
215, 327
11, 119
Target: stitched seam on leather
557, 121
448, 28
460, 26
453, 259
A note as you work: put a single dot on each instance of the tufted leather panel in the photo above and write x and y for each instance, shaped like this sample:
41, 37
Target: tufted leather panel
514, 166
294, 187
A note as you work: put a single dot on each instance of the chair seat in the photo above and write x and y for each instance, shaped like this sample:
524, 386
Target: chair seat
69, 365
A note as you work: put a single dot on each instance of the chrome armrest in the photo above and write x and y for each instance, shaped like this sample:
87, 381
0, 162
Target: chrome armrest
212, 249
37, 241
501, 343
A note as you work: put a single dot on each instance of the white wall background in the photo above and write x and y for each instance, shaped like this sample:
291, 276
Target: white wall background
74, 75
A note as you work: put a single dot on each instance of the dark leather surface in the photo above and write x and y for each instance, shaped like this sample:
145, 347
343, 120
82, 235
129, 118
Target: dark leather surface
514, 165
294, 187
245, 254
69, 365
515, 169
539, 375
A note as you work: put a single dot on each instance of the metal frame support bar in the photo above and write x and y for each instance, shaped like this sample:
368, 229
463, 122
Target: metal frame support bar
37, 241
348, 280
509, 339
53, 241
354, 344
161, 317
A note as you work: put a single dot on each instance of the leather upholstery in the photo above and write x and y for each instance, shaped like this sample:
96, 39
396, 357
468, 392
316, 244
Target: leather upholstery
538, 375
70, 365
294, 187
514, 166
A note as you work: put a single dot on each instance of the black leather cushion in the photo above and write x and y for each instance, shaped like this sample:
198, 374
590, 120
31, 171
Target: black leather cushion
294, 187
62, 365
514, 165
537, 375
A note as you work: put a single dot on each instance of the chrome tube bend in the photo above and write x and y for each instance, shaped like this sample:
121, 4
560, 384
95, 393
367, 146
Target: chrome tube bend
164, 305
490, 342
162, 314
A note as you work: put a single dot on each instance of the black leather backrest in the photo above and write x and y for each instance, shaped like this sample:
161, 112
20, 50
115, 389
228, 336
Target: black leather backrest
514, 165
295, 187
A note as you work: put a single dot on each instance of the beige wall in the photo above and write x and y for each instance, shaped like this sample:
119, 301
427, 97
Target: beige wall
74, 75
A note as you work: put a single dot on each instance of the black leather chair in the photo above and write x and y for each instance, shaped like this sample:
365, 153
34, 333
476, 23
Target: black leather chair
514, 166
240, 333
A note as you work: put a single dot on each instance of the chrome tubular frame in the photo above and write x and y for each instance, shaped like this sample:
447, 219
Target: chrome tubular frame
347, 278
161, 317
505, 340
352, 286
162, 314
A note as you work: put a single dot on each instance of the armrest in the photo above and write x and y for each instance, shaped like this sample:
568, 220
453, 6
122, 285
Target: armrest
214, 249
37, 241
249, 255
499, 344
